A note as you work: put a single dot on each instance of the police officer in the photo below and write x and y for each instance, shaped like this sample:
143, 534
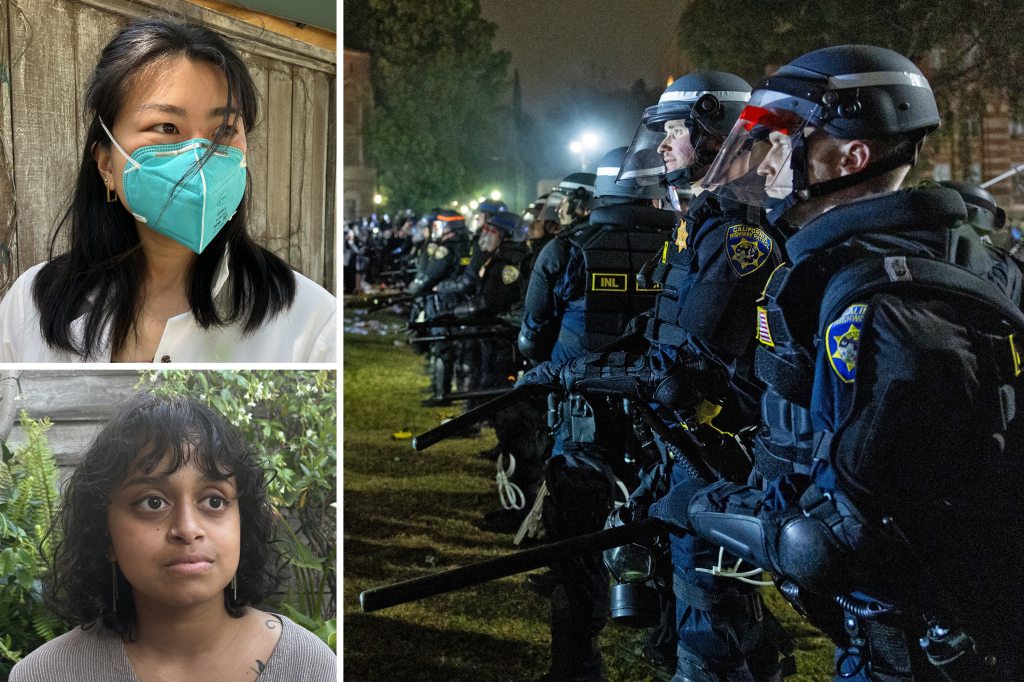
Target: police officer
581, 296
701, 358
446, 255
484, 210
891, 407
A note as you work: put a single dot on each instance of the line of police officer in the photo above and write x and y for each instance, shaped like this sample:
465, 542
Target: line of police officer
842, 355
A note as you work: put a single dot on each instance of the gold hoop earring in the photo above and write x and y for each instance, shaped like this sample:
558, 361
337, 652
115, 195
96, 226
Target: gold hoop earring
113, 583
111, 195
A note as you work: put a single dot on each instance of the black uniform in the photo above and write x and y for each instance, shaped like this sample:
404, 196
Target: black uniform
893, 401
582, 294
446, 259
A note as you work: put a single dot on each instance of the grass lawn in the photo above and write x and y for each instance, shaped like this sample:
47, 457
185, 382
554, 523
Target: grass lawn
408, 514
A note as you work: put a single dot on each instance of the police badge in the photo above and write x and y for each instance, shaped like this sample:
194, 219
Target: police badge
509, 274
681, 235
748, 248
842, 339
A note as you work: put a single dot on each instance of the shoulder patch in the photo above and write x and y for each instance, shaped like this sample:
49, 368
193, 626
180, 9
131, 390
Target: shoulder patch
441, 252
748, 248
509, 274
842, 339
431, 248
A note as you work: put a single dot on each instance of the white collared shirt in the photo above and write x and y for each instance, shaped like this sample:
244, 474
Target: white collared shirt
305, 332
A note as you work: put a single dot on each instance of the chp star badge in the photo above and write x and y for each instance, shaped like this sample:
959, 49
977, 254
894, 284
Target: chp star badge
441, 252
748, 248
842, 339
509, 274
681, 235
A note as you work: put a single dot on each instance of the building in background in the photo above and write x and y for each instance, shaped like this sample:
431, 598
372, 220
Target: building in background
359, 178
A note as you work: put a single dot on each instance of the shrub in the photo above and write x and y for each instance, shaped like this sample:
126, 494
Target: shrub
28, 505
290, 418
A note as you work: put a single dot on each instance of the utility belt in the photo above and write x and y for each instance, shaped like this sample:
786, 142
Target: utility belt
584, 421
750, 605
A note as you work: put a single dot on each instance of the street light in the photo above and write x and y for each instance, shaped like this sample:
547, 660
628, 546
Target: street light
377, 200
496, 195
588, 142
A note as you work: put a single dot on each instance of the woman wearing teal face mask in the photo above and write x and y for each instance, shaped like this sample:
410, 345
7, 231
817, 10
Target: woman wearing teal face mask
160, 266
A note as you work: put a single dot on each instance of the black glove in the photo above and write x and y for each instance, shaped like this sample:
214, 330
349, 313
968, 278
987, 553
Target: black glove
674, 508
544, 374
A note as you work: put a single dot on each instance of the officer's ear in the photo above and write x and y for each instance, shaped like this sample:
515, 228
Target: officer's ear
853, 156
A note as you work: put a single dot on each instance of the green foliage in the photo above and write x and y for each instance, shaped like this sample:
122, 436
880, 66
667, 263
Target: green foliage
290, 419
438, 129
28, 505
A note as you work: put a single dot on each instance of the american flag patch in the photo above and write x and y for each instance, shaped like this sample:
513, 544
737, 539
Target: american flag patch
764, 334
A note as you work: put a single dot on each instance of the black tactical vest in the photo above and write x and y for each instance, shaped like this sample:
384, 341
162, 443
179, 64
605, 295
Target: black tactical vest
802, 300
619, 241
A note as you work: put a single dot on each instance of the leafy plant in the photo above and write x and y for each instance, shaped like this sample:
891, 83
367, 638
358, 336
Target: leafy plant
290, 418
28, 504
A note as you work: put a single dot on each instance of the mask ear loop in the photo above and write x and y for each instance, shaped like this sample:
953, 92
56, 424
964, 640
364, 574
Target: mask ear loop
136, 165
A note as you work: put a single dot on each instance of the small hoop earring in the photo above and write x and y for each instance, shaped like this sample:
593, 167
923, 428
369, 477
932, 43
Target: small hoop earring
113, 583
234, 588
111, 195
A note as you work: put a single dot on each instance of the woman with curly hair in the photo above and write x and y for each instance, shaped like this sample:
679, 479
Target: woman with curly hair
160, 265
165, 548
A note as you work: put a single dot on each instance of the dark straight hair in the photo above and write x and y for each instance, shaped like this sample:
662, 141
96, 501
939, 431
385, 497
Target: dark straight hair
101, 274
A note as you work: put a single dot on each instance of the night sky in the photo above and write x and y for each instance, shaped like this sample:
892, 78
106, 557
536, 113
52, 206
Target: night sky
613, 41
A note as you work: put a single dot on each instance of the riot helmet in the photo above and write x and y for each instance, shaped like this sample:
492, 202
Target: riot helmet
482, 211
848, 92
982, 212
607, 190
501, 226
447, 221
571, 200
684, 128
533, 210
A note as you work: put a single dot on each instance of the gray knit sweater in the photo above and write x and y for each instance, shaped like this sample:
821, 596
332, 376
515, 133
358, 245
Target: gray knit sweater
97, 655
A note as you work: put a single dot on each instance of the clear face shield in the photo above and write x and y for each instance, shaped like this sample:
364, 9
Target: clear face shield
489, 238
760, 164
476, 221
437, 229
551, 206
643, 163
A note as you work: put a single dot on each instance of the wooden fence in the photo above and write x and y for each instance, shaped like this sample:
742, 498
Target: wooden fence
48, 49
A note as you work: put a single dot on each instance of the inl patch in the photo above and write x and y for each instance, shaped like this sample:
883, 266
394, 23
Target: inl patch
611, 281
842, 340
748, 248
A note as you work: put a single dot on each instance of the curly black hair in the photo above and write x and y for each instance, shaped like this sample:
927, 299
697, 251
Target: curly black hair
144, 432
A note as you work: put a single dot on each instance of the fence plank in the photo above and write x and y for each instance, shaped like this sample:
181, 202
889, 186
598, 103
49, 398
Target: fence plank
45, 133
256, 155
278, 190
8, 237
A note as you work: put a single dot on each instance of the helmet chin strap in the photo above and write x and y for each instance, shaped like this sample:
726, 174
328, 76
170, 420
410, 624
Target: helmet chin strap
902, 154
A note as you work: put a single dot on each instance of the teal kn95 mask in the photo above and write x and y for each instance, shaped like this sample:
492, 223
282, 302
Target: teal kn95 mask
192, 211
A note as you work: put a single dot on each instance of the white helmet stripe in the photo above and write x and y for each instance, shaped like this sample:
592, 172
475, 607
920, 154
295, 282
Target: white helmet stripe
871, 78
693, 95
607, 170
574, 185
